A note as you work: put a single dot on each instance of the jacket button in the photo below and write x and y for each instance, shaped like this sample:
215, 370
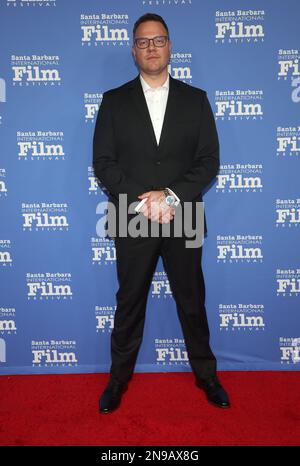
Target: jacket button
158, 162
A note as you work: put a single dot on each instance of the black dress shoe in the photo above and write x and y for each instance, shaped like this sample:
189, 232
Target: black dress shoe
215, 392
111, 397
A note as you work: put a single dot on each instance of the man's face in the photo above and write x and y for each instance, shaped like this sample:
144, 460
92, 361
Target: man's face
151, 60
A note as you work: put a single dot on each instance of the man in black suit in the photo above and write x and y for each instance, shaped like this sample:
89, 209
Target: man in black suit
156, 142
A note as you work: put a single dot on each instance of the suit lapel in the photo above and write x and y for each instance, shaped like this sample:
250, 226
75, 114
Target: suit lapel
170, 113
140, 103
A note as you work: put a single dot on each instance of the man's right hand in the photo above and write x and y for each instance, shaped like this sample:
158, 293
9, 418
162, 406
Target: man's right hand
156, 208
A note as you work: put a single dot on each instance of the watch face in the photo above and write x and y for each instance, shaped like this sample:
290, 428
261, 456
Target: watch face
170, 200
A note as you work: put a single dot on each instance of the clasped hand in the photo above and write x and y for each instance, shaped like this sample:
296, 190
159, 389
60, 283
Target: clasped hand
156, 208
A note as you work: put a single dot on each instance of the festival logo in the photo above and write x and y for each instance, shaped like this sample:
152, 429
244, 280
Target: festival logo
240, 178
288, 282
94, 186
44, 286
287, 213
171, 352
5, 253
54, 353
104, 30
8, 321
288, 141
290, 350
45, 216
160, 286
289, 70
288, 64
105, 318
3, 186
103, 251
239, 26
241, 317
35, 70
231, 105
180, 66
40, 145
91, 102
245, 249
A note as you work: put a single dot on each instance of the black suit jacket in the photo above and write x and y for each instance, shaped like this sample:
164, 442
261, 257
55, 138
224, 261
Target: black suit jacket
127, 158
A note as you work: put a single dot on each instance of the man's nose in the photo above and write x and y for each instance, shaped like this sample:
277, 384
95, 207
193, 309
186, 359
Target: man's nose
151, 44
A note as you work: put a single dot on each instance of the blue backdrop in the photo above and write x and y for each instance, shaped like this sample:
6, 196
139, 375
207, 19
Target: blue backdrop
58, 278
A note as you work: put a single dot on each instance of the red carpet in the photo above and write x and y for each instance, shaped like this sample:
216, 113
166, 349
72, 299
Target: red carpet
158, 409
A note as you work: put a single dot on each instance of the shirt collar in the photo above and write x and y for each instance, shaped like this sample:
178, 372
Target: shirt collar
147, 88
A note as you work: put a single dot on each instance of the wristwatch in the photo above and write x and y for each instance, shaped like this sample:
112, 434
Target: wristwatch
170, 199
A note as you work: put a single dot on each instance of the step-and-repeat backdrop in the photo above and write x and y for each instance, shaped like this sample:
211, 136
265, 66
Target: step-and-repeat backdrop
58, 278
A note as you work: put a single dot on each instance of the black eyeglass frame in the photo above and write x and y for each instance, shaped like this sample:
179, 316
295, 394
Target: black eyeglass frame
149, 40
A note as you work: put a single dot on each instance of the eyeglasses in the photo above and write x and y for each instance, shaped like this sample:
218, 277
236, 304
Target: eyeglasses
144, 42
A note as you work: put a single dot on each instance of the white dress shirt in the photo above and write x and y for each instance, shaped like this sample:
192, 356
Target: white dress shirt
156, 98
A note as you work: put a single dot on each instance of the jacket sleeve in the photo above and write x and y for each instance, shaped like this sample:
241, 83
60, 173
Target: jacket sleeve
105, 163
206, 161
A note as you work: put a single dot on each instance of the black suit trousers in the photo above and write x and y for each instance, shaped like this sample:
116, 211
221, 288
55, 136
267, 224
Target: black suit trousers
136, 263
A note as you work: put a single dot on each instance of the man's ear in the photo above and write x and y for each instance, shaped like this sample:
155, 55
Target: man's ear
133, 52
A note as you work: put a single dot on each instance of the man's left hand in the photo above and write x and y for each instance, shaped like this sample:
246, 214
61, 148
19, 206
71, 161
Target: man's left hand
155, 208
